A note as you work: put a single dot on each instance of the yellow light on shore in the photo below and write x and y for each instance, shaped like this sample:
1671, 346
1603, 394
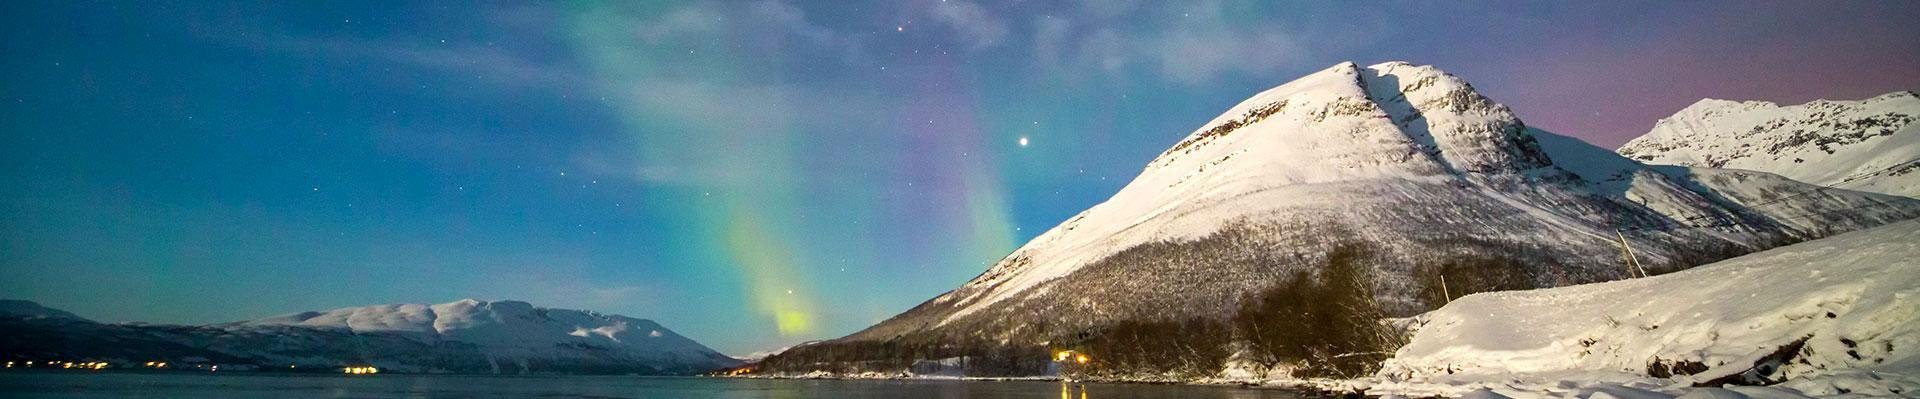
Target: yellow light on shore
361, 370
1070, 355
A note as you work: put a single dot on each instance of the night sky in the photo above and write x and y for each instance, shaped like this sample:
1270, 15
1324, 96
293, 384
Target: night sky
752, 174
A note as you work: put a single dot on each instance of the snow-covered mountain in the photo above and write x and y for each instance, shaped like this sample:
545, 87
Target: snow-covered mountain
1825, 318
462, 336
1408, 162
20, 308
1867, 145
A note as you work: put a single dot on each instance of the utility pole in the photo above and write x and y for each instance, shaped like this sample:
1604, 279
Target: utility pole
1633, 263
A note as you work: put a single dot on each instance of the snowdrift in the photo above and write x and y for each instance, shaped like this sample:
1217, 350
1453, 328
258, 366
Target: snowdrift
1832, 317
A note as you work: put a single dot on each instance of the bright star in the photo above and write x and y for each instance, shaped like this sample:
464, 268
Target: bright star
1023, 141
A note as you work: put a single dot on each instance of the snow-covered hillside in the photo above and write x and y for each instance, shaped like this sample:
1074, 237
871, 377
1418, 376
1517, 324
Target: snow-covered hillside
466, 336
1867, 145
20, 308
1829, 317
1407, 160
508, 330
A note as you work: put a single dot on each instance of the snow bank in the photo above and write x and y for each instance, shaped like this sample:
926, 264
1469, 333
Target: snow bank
1832, 317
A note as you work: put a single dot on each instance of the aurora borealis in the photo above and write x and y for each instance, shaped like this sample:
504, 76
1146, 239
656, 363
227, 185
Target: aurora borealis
750, 173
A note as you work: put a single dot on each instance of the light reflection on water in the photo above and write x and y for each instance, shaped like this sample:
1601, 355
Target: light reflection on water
237, 385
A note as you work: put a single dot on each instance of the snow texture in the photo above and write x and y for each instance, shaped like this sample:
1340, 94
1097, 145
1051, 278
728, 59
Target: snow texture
1868, 145
511, 329
1836, 317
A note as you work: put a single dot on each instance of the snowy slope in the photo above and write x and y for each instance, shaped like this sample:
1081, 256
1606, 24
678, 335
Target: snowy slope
466, 336
1868, 145
1827, 317
1408, 160
507, 329
19, 308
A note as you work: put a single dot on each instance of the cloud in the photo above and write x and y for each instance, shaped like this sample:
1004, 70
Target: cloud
977, 25
1197, 53
1193, 44
679, 23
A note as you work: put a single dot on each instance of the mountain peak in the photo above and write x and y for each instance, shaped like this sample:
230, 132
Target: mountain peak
31, 309
1712, 107
1407, 164
1859, 145
1344, 122
1902, 94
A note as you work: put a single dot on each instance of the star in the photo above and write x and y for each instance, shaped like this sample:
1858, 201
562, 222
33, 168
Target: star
1023, 141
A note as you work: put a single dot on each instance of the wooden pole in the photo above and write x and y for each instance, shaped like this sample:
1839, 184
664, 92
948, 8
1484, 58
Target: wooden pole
1633, 263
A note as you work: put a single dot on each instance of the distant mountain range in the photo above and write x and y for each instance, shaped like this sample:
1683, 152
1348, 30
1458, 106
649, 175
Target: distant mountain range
1868, 145
31, 309
1432, 188
466, 336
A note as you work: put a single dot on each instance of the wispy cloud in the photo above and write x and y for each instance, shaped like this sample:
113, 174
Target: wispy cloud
976, 25
1186, 43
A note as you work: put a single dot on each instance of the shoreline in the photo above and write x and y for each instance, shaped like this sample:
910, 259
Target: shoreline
1326, 388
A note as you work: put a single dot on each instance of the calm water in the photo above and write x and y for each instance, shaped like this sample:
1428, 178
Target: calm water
129, 385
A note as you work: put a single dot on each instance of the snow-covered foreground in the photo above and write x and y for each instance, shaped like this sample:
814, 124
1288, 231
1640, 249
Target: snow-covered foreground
1837, 317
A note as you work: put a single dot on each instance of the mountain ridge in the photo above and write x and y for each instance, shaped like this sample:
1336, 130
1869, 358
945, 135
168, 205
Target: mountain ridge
1869, 145
1409, 162
466, 336
25, 308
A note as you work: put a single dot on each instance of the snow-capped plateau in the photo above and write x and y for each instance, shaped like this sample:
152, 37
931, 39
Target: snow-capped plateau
1866, 145
1406, 161
1831, 317
466, 336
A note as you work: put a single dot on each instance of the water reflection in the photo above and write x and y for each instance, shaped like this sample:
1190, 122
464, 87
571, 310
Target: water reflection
1066, 390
